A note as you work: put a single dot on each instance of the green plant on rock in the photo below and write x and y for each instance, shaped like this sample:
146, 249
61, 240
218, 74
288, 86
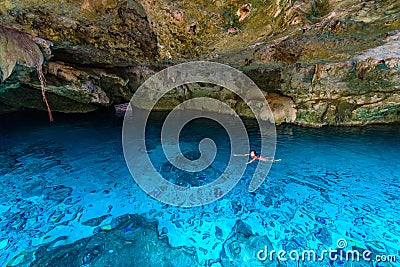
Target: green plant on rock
19, 48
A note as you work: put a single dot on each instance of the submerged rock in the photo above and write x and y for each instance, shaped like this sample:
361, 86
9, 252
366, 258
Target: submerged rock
95, 221
189, 179
140, 246
242, 247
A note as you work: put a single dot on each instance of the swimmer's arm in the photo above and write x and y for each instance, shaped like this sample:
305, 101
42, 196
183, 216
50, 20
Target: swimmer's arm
267, 159
274, 160
240, 155
253, 159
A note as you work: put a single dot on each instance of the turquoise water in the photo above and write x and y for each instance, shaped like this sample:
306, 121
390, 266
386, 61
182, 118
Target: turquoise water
67, 197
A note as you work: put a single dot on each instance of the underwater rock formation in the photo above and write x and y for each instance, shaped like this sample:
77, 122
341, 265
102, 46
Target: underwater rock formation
133, 241
242, 246
318, 62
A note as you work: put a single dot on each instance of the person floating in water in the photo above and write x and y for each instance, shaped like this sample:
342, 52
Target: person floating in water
253, 155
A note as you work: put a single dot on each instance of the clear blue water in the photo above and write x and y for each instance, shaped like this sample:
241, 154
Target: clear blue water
332, 183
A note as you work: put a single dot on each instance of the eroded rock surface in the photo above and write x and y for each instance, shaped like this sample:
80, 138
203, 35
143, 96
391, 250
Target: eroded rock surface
318, 62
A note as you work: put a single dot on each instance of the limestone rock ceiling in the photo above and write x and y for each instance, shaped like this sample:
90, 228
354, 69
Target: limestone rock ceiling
319, 62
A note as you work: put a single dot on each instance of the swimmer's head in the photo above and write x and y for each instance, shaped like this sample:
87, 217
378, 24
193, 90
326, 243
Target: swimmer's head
253, 153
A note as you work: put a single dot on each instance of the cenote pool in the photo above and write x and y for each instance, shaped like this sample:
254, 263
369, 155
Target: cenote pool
68, 199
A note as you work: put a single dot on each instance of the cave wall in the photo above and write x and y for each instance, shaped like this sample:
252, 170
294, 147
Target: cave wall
318, 62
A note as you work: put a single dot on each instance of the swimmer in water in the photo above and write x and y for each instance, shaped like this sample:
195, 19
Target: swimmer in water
253, 155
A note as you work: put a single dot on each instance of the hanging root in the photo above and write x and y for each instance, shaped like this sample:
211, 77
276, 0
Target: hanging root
34, 58
42, 80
